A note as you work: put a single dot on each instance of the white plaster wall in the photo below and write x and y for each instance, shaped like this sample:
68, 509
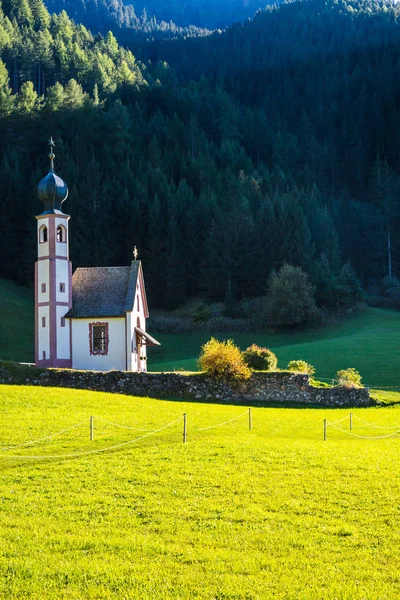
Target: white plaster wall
115, 359
63, 346
62, 276
43, 277
137, 365
62, 247
44, 332
128, 347
43, 249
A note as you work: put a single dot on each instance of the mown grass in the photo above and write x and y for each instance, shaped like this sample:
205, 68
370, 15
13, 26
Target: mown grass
367, 341
269, 513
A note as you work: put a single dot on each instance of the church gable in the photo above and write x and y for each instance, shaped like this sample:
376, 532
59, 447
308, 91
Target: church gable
105, 291
135, 288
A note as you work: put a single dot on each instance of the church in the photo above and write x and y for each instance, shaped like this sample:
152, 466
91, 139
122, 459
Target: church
94, 319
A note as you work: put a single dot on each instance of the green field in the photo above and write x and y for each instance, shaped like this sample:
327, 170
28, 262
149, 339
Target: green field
234, 514
368, 341
16, 322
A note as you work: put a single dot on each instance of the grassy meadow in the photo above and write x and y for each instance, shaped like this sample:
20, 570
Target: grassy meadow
368, 341
16, 322
272, 513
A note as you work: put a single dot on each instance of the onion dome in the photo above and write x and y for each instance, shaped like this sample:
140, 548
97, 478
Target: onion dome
52, 190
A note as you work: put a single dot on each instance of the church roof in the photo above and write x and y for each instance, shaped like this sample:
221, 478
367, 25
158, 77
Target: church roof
105, 291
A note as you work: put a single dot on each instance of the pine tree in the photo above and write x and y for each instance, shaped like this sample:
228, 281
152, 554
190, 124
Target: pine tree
6, 97
27, 99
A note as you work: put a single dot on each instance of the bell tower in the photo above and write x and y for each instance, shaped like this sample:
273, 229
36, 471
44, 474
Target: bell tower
53, 275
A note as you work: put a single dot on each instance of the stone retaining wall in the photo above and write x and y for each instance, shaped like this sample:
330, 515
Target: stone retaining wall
261, 388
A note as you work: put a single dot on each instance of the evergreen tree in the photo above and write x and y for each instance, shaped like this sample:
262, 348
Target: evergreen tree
6, 98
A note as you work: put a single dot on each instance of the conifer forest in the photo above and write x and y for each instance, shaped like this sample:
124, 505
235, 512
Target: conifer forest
221, 150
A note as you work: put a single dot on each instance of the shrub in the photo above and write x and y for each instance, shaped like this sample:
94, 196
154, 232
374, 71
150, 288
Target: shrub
349, 290
202, 314
290, 298
301, 366
223, 360
349, 378
260, 359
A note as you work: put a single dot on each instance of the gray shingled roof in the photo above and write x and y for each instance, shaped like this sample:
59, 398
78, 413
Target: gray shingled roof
103, 291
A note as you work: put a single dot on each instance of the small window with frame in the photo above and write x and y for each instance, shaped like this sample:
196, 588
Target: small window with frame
43, 288
62, 287
98, 339
43, 321
62, 321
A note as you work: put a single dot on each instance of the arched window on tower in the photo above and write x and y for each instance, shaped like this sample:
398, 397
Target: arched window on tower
61, 234
43, 234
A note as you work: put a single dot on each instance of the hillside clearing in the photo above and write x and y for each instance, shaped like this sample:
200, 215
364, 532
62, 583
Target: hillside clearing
368, 341
271, 513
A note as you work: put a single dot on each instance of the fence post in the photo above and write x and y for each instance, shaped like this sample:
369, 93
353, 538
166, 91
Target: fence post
324, 430
91, 428
184, 428
351, 421
250, 421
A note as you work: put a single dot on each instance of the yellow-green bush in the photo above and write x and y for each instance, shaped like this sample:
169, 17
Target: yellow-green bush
223, 360
260, 359
301, 366
349, 378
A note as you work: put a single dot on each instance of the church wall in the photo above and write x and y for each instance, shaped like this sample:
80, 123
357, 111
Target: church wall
62, 276
43, 248
43, 332
62, 247
130, 366
115, 359
137, 313
63, 335
43, 277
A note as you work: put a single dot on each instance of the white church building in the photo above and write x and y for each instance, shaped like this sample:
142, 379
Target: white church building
94, 319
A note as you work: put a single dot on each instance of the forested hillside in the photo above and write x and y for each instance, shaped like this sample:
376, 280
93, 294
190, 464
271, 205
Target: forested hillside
127, 21
274, 142
167, 17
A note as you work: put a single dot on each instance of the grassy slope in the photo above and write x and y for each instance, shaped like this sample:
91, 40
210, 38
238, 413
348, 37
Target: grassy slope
16, 322
272, 513
368, 341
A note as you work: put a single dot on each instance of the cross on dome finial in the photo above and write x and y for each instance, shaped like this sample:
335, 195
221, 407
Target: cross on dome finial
52, 190
51, 155
135, 253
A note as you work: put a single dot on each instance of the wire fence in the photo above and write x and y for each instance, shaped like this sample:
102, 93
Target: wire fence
364, 437
333, 381
224, 422
90, 452
350, 431
395, 430
43, 439
114, 447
